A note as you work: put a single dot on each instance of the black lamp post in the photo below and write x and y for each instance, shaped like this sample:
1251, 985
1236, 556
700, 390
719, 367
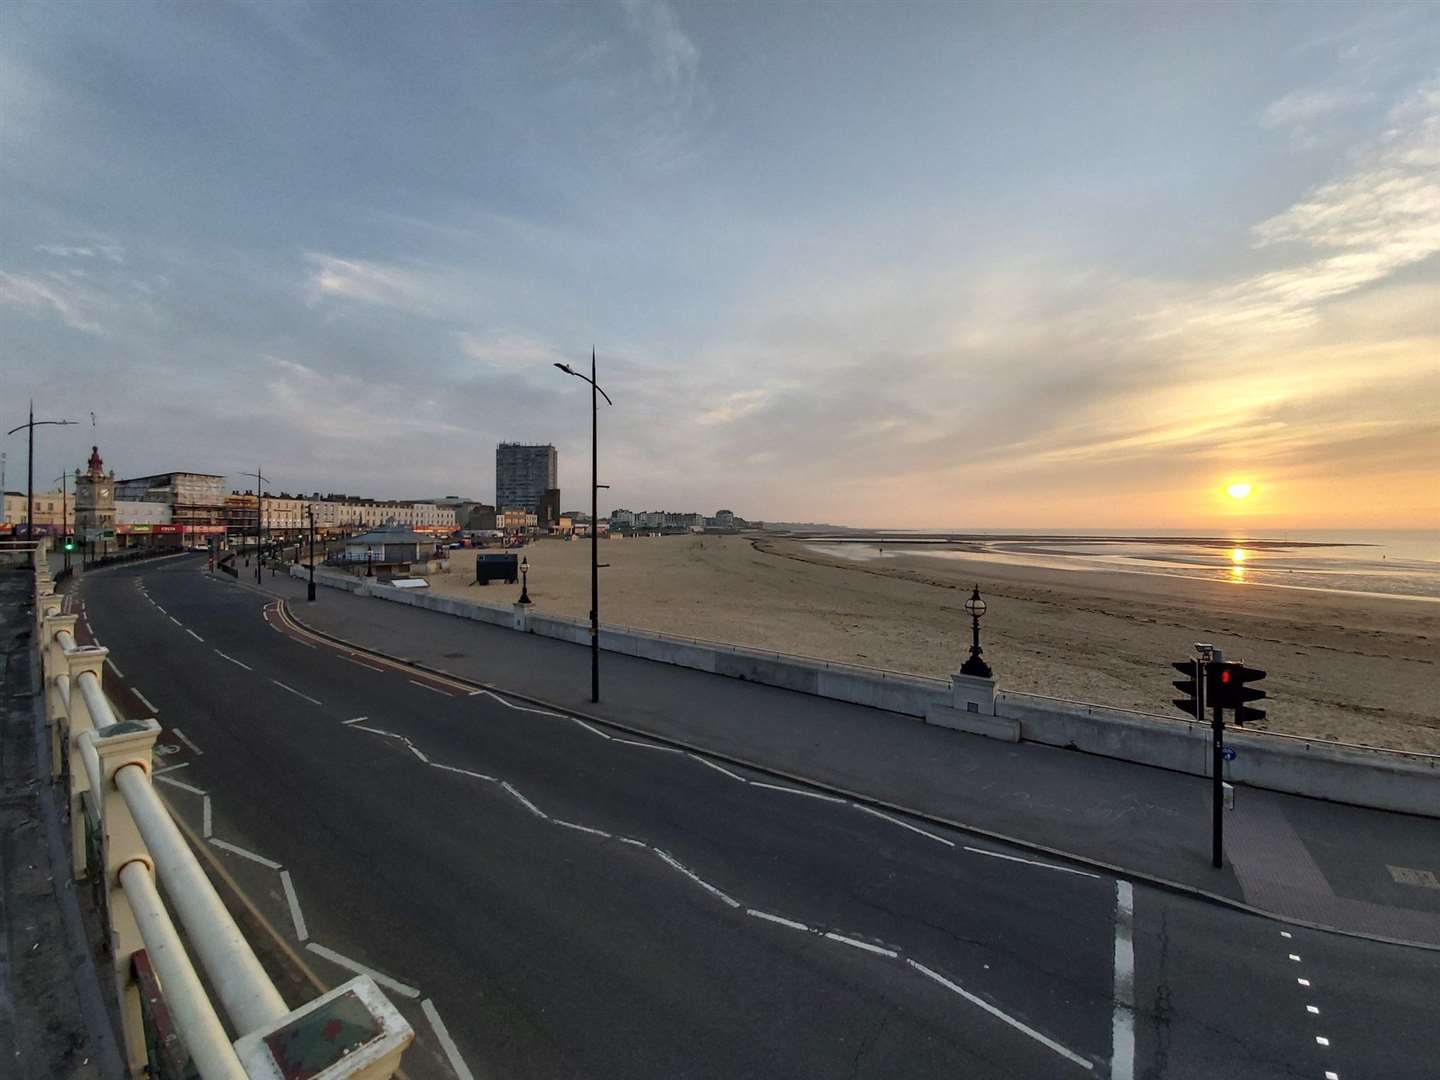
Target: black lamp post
595, 487
524, 581
310, 591
975, 665
32, 424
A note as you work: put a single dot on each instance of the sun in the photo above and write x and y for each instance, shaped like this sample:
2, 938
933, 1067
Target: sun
1239, 491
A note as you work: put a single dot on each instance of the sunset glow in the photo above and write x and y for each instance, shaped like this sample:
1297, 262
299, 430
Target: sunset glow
1239, 491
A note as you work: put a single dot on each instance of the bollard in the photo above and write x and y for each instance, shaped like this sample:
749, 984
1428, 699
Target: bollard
91, 659
122, 746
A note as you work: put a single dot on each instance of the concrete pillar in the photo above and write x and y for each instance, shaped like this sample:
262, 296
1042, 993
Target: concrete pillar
522, 617
53, 665
371, 1037
121, 746
87, 658
970, 693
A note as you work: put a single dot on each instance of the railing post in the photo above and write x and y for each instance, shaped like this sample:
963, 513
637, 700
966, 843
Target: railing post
89, 658
120, 746
52, 663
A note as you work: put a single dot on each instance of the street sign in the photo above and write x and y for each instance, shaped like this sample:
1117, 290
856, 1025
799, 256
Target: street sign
1228, 753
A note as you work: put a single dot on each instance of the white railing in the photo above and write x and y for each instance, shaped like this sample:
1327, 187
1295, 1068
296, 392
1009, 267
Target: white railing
123, 836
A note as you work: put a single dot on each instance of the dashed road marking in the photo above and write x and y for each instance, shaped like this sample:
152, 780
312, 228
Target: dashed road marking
1122, 1027
719, 768
791, 923
432, 689
296, 917
180, 784
235, 849
527, 803
581, 828
588, 727
186, 740
118, 673
905, 825
237, 663
1295, 957
297, 693
452, 1052
358, 968
1322, 1040
359, 663
726, 897
205, 829
797, 791
196, 636
644, 745
145, 701
457, 769
861, 944
1031, 862
355, 720
176, 621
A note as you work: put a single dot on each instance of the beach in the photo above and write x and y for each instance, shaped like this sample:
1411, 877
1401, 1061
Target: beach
1341, 667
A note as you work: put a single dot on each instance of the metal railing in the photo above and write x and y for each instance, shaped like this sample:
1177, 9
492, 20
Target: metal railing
123, 835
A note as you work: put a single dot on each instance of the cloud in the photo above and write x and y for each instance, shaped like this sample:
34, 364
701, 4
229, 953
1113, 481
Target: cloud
1301, 108
103, 249
737, 405
510, 352
73, 306
360, 281
675, 57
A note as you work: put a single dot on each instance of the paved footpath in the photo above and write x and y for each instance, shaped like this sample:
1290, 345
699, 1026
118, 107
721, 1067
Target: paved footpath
1344, 867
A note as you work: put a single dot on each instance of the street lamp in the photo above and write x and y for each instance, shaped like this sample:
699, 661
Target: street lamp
595, 487
32, 424
310, 592
976, 666
524, 580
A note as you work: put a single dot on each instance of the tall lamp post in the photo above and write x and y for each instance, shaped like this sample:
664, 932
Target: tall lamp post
595, 487
32, 424
64, 518
975, 665
524, 581
310, 592
259, 517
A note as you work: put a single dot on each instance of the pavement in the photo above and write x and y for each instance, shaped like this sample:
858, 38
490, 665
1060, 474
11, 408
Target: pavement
1343, 867
548, 895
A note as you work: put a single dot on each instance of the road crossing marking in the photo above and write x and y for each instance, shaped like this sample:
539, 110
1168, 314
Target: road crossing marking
235, 849
301, 933
180, 784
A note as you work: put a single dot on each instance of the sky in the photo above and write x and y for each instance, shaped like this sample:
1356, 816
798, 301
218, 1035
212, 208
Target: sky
899, 264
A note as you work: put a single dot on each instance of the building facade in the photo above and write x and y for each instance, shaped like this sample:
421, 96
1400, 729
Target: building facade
524, 475
195, 499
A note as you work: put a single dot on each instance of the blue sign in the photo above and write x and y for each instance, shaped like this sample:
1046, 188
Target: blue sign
1228, 753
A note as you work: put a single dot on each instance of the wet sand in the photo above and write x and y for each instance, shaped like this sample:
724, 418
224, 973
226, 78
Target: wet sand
1344, 668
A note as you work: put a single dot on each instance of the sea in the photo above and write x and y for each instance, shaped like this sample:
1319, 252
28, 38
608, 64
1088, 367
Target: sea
1403, 564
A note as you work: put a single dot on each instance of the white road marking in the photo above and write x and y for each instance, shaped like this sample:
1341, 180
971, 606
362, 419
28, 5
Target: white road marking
297, 693
145, 701
644, 745
116, 670
186, 740
87, 628
358, 663
176, 621
1331, 1075
244, 854
196, 636
162, 610
528, 804
171, 768
1314, 1010
1285, 933
432, 689
999, 1015
1322, 1040
205, 829
905, 825
1122, 1027
1303, 982
1031, 862
355, 720
417, 751
1295, 957
302, 641
588, 727
294, 901
452, 1053
524, 708
862, 945
581, 828
696, 878
376, 731
360, 969
180, 784
719, 768
796, 791
467, 772
232, 660
777, 919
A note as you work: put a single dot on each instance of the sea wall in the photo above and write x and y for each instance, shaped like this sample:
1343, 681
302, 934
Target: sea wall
1388, 780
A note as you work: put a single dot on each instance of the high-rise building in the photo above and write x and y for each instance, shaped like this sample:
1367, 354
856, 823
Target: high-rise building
523, 476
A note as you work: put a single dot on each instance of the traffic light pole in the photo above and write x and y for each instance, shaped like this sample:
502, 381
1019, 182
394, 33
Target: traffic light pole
1217, 783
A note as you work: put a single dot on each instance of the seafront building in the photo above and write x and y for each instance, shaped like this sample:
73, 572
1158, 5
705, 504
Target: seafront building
526, 479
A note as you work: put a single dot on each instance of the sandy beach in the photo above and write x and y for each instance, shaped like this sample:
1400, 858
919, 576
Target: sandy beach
1347, 668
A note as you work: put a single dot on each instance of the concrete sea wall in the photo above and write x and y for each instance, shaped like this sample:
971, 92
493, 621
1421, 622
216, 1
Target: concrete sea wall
1388, 780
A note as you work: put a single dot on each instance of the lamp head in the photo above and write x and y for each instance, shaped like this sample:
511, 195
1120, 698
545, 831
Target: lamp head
565, 368
976, 606
524, 562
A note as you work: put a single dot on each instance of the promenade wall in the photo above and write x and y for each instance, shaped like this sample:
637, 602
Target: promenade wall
1385, 779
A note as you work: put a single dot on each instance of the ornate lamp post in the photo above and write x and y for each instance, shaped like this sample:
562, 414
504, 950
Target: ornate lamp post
525, 581
310, 589
975, 665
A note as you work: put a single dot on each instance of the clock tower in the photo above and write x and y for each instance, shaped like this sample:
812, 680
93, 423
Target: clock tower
95, 501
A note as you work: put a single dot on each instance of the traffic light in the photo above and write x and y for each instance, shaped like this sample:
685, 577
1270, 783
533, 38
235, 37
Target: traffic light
1190, 702
1228, 689
69, 543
